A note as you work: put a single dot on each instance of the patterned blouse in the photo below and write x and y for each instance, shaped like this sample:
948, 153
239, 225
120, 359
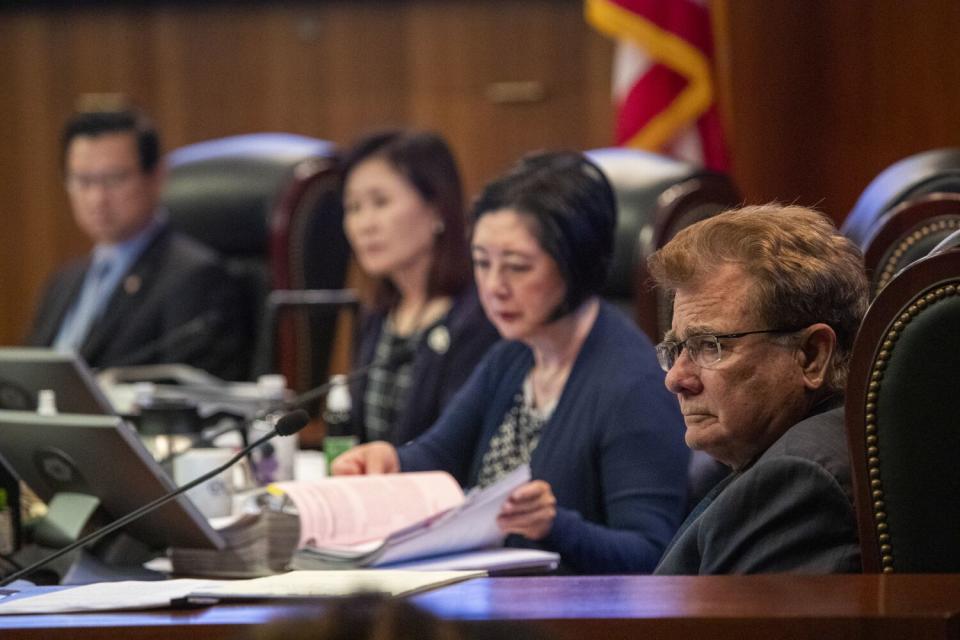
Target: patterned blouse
517, 437
388, 387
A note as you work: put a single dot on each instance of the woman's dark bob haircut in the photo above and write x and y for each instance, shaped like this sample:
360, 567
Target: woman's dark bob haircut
575, 214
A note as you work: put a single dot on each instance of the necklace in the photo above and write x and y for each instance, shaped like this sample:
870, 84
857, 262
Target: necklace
547, 386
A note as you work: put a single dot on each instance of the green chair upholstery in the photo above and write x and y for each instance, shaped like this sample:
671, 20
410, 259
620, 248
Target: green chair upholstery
902, 425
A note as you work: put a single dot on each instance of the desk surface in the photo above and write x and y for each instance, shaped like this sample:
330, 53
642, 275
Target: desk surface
635, 607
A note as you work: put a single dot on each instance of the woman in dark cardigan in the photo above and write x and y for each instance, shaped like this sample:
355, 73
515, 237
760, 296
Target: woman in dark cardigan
574, 390
425, 331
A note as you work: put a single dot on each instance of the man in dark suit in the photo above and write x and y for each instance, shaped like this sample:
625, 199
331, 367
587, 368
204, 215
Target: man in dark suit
767, 301
146, 294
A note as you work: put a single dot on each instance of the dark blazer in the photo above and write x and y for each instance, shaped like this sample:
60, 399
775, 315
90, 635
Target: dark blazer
437, 374
790, 511
176, 305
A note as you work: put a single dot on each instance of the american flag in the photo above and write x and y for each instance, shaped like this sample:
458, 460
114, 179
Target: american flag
663, 77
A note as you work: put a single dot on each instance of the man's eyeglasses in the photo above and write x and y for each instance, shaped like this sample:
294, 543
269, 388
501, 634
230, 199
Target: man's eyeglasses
704, 350
109, 181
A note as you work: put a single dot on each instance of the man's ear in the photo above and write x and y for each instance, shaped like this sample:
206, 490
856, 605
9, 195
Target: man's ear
818, 342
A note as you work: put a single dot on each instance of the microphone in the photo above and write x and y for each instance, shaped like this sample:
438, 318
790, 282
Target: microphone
197, 328
287, 425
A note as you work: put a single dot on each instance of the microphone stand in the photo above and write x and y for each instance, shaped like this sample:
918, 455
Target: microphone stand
297, 419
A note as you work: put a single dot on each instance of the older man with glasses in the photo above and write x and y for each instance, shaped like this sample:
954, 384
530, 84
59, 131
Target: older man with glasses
767, 301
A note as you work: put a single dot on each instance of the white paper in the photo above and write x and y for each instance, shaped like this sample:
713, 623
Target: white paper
126, 595
106, 596
335, 583
473, 525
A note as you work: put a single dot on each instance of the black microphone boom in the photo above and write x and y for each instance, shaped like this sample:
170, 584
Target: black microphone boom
287, 425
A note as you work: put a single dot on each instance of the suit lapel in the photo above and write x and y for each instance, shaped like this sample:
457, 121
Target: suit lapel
699, 509
129, 293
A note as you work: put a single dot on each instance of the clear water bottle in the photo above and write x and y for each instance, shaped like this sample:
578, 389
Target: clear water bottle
273, 460
339, 436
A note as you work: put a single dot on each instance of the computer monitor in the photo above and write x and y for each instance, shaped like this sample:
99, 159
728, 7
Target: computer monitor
25, 371
101, 456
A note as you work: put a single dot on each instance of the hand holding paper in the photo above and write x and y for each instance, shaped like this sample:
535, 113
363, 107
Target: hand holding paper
529, 511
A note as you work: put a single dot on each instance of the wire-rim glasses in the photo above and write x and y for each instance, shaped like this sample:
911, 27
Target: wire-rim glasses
704, 349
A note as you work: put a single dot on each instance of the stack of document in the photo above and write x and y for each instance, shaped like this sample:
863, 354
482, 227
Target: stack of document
394, 520
459, 523
257, 544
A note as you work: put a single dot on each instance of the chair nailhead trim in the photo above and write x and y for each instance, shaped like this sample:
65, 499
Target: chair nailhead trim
892, 265
876, 376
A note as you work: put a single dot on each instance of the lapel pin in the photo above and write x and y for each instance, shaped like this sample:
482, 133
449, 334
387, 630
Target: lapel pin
439, 339
132, 284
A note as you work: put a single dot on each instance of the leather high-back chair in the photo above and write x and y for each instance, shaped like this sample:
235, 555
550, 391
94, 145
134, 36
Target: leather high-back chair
928, 172
656, 197
902, 424
907, 233
269, 203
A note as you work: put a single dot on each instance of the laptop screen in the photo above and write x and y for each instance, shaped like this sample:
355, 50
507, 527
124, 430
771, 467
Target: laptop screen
24, 372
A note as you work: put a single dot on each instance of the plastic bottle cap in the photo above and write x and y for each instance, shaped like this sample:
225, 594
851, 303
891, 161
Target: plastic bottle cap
338, 398
47, 402
272, 385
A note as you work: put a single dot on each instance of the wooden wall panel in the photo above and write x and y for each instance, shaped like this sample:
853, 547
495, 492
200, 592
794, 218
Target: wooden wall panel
823, 95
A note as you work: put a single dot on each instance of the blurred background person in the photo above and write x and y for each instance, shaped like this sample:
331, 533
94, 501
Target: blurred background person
424, 331
145, 294
574, 390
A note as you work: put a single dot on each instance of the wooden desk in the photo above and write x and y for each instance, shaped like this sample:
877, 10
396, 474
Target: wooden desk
634, 607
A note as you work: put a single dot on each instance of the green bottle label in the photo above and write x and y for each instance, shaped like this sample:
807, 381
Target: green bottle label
333, 446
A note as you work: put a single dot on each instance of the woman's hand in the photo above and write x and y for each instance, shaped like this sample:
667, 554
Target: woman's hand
529, 511
369, 458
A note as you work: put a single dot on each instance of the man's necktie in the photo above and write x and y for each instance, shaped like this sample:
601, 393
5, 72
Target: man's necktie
87, 308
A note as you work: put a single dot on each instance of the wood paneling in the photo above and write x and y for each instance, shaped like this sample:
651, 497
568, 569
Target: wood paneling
822, 95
